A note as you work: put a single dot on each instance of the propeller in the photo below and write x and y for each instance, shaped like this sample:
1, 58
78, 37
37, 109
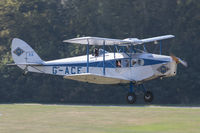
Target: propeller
178, 60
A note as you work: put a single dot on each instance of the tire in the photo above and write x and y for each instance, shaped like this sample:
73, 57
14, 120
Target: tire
148, 97
131, 98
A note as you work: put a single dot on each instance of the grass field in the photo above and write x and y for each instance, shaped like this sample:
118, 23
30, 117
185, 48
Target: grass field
37, 118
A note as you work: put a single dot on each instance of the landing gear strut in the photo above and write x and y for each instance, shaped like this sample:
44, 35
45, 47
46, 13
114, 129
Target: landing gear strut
131, 97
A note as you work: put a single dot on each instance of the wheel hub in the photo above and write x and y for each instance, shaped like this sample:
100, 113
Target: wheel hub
130, 98
148, 97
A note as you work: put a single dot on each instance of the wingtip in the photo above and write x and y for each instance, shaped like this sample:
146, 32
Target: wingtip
68, 41
16, 38
172, 35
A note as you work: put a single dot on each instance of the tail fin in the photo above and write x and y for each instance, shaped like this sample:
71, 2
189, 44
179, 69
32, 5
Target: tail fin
22, 53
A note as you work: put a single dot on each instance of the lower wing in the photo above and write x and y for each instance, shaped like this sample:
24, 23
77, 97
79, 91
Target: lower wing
97, 79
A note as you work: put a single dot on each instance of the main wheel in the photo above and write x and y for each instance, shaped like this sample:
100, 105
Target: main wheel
131, 98
148, 97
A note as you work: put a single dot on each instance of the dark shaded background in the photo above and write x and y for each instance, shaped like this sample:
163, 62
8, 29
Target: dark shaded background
44, 24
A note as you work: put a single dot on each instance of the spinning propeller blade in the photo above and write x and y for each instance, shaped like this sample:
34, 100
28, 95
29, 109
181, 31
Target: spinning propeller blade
178, 60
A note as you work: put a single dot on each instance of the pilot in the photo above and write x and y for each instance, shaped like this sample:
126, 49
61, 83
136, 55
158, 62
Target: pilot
96, 52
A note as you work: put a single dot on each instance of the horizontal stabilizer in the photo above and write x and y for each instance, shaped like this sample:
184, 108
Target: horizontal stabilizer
27, 64
97, 79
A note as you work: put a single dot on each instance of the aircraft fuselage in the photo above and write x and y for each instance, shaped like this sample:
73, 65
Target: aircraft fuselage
139, 68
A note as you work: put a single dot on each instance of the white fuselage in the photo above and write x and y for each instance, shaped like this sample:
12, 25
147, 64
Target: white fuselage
139, 68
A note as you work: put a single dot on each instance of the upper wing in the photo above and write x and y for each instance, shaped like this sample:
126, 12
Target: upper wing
108, 41
97, 79
96, 41
157, 38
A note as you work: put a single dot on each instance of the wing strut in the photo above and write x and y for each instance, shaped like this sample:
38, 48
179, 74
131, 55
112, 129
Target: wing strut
87, 56
104, 57
160, 47
88, 62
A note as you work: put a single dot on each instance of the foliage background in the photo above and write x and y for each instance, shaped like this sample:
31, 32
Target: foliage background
44, 24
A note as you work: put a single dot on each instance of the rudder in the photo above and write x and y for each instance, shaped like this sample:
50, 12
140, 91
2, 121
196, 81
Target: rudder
23, 53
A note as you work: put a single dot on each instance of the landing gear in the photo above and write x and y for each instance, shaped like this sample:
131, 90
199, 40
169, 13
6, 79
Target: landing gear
131, 97
148, 97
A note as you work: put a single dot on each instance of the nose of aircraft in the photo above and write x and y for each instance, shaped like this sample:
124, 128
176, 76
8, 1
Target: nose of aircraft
178, 60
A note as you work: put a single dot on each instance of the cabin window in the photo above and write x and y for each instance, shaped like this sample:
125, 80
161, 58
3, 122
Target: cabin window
118, 63
133, 62
123, 63
140, 62
126, 63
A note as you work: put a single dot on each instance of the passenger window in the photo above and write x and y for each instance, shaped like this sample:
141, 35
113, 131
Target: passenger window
126, 63
133, 62
118, 63
140, 62
123, 63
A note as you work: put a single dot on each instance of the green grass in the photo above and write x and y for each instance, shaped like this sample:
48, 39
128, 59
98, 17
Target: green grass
36, 118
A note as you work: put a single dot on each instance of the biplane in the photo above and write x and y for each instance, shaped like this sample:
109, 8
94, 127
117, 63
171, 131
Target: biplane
126, 63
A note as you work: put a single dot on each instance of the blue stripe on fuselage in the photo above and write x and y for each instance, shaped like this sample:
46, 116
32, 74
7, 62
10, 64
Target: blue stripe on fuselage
153, 62
109, 63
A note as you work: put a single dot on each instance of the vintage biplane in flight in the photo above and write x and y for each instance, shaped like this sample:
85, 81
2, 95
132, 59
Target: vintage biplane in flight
125, 64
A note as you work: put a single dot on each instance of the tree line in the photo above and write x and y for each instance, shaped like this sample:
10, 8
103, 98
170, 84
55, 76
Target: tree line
44, 24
